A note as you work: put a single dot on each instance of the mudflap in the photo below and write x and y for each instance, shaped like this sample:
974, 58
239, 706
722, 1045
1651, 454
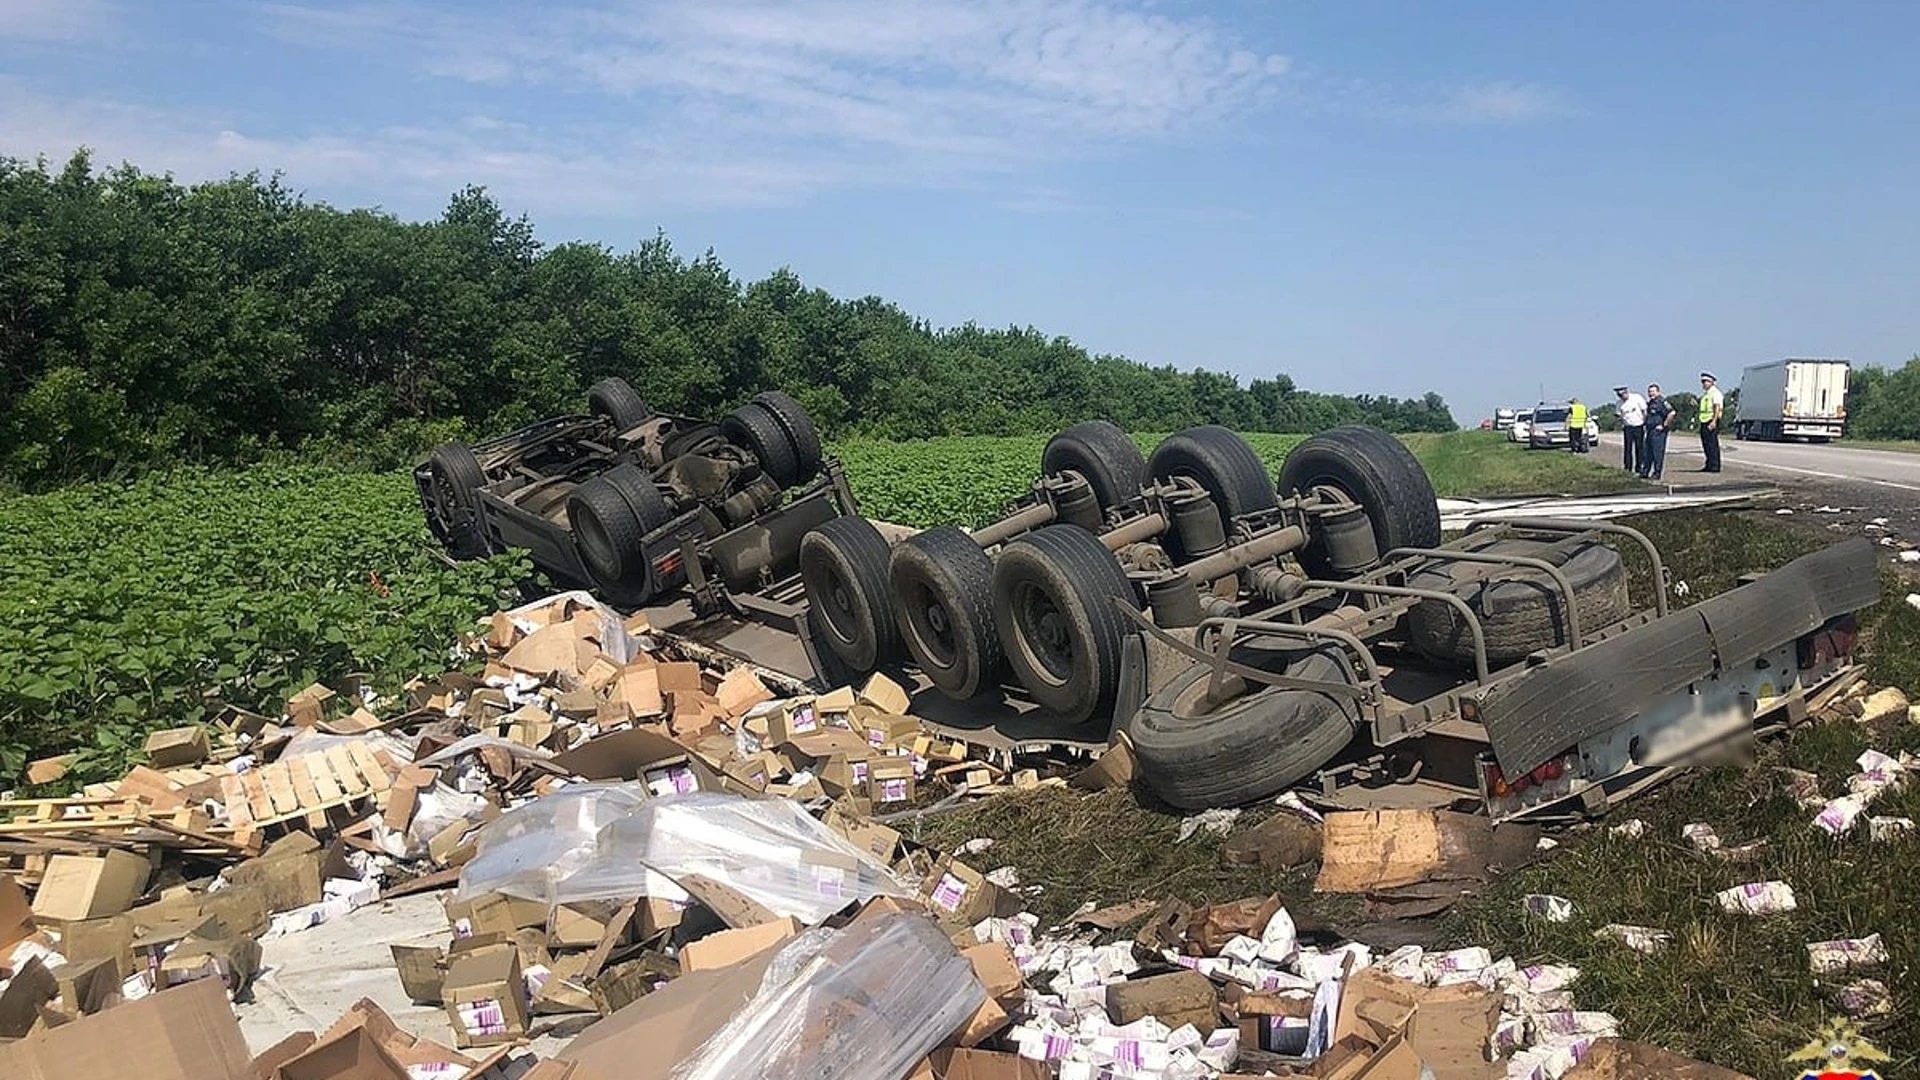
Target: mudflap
1574, 697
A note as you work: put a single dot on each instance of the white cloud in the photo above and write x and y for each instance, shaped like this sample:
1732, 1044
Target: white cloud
56, 20
973, 84
1501, 102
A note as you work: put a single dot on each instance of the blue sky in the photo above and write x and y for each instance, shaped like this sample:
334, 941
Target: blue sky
1487, 199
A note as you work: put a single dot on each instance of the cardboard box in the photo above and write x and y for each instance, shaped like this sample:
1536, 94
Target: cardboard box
995, 967
422, 969
16, 914
730, 947
21, 999
88, 986
351, 1055
679, 677
1180, 997
493, 913
638, 688
648, 1038
49, 769
635, 754
886, 729
184, 1034
965, 1064
890, 781
213, 953
740, 691
286, 881
79, 887
581, 925
958, 895
886, 695
485, 996
108, 939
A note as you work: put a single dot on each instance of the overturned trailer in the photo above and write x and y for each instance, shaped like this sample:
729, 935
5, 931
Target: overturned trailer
1245, 636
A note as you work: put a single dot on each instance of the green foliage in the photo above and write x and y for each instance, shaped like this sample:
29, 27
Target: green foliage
146, 324
1883, 404
125, 608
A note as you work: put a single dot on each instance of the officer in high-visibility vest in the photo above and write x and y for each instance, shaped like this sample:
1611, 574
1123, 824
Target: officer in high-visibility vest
1712, 402
1577, 426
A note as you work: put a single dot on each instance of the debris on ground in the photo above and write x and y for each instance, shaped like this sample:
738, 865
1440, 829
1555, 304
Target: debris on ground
659, 863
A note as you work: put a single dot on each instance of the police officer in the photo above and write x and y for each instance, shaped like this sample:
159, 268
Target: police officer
1633, 430
1577, 426
1660, 419
1712, 403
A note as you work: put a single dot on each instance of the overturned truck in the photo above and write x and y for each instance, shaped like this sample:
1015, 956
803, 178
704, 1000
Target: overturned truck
1246, 636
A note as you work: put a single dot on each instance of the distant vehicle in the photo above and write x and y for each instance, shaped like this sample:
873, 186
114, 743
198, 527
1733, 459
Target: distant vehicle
1503, 419
1793, 398
1547, 427
1486, 425
1522, 423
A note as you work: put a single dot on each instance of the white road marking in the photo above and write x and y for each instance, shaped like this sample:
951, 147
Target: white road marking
1831, 475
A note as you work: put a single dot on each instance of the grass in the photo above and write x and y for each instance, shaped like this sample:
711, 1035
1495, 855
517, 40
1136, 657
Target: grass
1731, 990
977, 475
1904, 446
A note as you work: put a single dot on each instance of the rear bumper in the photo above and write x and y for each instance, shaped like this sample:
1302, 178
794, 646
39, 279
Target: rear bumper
1571, 700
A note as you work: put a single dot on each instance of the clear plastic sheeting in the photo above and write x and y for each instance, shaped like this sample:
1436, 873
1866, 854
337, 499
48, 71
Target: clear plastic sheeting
770, 851
308, 741
862, 1003
473, 744
529, 850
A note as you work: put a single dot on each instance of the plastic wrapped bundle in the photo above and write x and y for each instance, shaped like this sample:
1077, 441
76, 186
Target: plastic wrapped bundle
770, 851
529, 849
862, 1003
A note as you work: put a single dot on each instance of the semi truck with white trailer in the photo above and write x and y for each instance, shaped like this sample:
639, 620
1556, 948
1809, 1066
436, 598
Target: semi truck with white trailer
1793, 398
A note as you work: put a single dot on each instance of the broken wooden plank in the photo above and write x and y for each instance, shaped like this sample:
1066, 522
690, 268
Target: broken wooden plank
279, 787
258, 801
345, 771
377, 777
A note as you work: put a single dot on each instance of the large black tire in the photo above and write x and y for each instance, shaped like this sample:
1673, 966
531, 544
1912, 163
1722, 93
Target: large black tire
754, 427
1378, 472
610, 516
454, 513
1101, 452
943, 598
618, 401
1249, 747
1223, 464
802, 436
1054, 593
1518, 614
843, 565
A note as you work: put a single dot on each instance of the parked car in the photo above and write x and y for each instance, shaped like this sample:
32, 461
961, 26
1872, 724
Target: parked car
1547, 428
1522, 424
639, 505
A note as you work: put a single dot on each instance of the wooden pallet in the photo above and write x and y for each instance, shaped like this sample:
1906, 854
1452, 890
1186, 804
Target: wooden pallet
112, 822
305, 789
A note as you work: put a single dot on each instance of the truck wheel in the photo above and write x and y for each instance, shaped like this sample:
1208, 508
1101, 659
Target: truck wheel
1101, 452
802, 436
1224, 465
843, 564
1250, 747
943, 597
615, 399
1522, 613
453, 515
755, 428
1378, 472
1054, 592
610, 531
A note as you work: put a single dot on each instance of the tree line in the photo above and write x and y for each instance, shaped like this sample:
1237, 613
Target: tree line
147, 323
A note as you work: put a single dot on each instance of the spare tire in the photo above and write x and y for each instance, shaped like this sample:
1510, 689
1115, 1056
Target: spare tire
1054, 605
1099, 451
1378, 472
453, 512
843, 564
615, 399
754, 427
1222, 463
1258, 743
943, 597
610, 517
1521, 611
802, 436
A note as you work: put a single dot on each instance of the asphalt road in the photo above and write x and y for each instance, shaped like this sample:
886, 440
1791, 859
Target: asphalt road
1894, 474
